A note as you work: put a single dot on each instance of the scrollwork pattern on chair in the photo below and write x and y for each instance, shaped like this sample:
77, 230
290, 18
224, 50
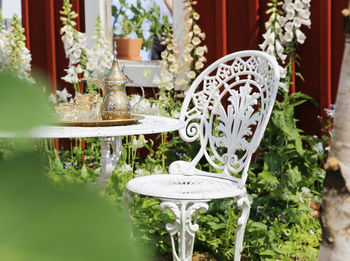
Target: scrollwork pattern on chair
236, 121
183, 227
234, 98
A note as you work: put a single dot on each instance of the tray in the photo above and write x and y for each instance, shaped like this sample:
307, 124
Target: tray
101, 123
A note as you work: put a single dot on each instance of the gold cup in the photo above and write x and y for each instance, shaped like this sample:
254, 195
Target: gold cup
87, 98
84, 112
66, 111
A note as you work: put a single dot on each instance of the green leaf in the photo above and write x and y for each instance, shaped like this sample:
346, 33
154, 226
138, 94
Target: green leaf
22, 106
40, 223
294, 175
216, 226
84, 172
268, 177
259, 225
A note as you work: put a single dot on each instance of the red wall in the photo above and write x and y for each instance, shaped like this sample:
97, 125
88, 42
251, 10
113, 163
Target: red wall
42, 28
230, 25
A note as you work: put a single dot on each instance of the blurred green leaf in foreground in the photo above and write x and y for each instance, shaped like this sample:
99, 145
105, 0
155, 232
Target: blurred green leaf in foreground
38, 222
22, 105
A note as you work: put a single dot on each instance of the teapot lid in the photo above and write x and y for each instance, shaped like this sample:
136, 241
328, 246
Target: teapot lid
116, 74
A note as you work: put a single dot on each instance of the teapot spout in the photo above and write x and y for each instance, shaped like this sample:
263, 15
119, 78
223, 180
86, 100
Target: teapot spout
98, 82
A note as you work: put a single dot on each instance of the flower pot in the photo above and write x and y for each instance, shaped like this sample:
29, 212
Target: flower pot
128, 49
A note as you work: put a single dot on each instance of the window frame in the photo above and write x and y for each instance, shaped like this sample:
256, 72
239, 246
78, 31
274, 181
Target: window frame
133, 69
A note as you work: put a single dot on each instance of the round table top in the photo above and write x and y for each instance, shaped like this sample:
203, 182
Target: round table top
150, 124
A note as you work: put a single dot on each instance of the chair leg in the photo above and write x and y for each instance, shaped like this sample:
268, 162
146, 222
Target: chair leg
184, 227
243, 202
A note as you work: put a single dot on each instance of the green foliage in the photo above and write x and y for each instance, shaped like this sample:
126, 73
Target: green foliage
133, 24
24, 106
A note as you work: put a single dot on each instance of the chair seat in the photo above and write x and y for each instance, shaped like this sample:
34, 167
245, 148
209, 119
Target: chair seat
174, 186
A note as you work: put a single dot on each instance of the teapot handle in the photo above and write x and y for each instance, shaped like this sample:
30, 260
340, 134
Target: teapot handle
143, 92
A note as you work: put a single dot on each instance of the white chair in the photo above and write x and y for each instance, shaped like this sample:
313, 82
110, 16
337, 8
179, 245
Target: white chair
227, 108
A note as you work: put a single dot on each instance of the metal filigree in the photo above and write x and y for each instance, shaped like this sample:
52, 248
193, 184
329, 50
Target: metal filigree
242, 202
228, 111
111, 149
184, 228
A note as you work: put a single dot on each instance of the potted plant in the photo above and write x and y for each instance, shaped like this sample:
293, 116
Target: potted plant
129, 48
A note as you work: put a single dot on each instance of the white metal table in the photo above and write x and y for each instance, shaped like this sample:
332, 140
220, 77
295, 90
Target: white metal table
110, 136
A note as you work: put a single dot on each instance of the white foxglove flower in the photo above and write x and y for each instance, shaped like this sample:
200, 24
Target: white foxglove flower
300, 36
306, 22
171, 57
283, 71
196, 29
195, 16
297, 22
299, 6
188, 58
169, 86
199, 51
196, 41
189, 47
290, 7
280, 50
173, 68
202, 59
271, 39
263, 45
283, 86
304, 14
191, 74
270, 50
288, 37
290, 15
278, 29
199, 65
189, 22
288, 27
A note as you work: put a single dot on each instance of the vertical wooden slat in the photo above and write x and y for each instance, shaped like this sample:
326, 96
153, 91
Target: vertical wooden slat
25, 20
325, 54
253, 23
50, 43
221, 28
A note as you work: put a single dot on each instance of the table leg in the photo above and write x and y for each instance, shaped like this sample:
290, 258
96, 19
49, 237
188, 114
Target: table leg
111, 150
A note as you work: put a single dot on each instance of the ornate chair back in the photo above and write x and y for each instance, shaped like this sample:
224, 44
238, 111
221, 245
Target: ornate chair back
227, 108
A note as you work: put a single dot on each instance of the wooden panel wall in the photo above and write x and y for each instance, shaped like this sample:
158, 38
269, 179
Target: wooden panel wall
41, 20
